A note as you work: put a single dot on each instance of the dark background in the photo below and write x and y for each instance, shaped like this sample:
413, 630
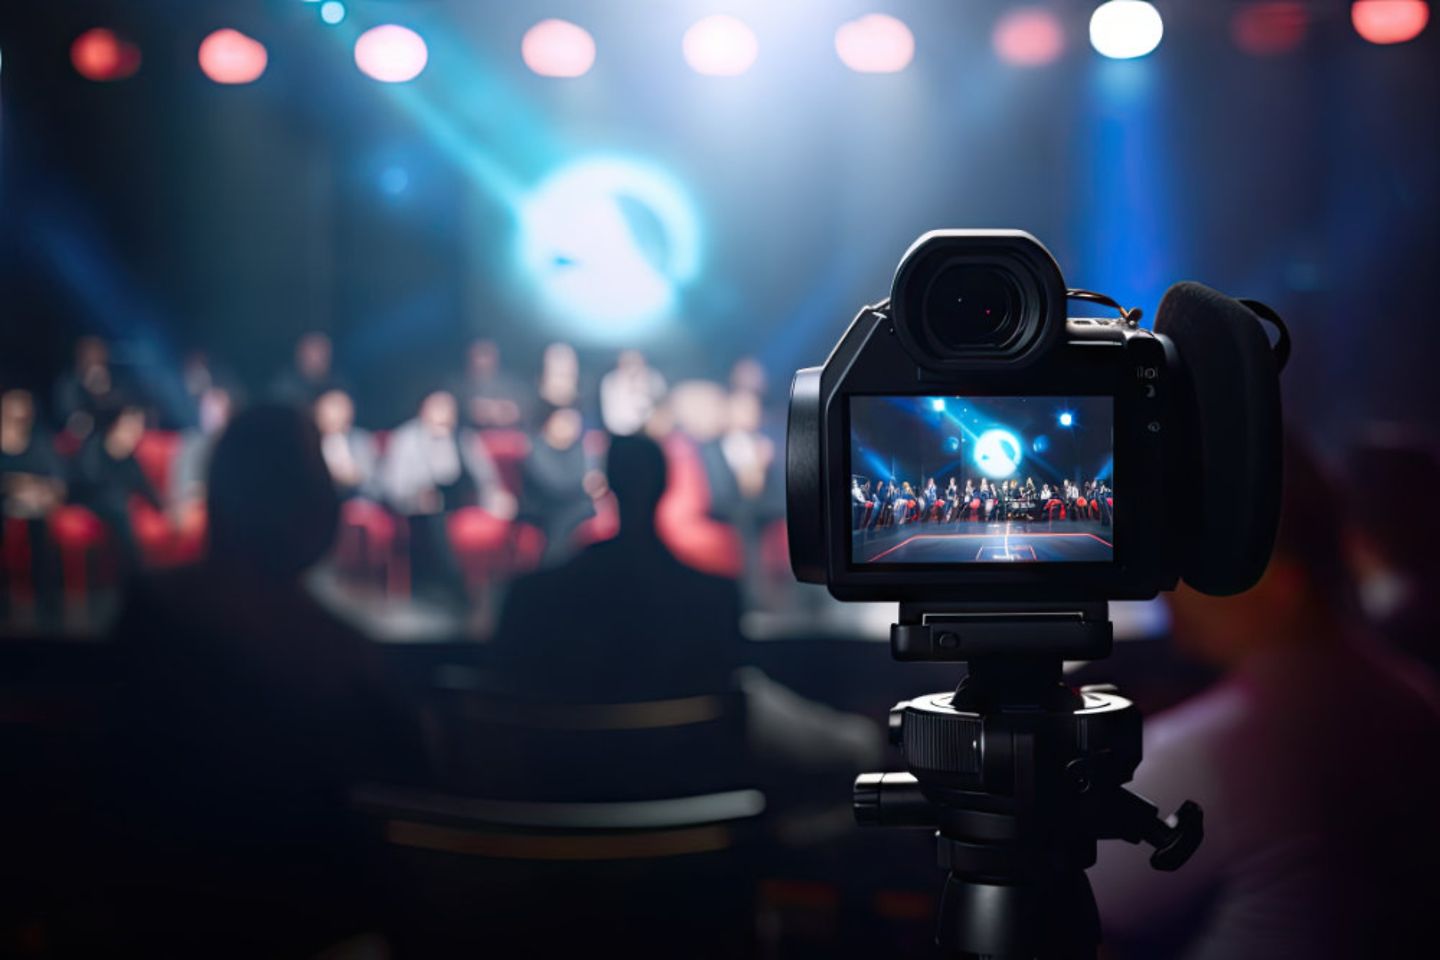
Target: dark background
172, 212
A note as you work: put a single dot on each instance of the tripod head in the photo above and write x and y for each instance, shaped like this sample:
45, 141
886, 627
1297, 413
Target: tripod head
1019, 775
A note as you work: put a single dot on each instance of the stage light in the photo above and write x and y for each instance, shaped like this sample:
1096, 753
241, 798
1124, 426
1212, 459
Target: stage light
100, 55
608, 244
1067, 419
938, 405
997, 454
558, 48
1269, 29
1389, 21
952, 444
1125, 29
332, 12
1029, 37
875, 43
229, 57
1040, 444
720, 46
391, 53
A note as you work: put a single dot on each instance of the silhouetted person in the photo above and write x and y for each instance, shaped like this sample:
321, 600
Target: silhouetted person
623, 620
1314, 760
245, 714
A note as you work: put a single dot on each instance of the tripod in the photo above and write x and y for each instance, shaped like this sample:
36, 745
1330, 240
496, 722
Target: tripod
1019, 775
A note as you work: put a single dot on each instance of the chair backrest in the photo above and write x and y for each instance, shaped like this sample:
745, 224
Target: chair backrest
156, 455
608, 752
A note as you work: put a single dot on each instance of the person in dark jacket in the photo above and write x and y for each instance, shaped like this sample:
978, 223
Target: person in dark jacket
245, 714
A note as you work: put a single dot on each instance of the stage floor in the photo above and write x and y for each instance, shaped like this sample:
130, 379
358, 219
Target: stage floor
1062, 541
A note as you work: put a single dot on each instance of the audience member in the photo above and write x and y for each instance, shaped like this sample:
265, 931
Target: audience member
88, 390
108, 476
311, 374
491, 396
187, 477
1320, 840
349, 452
431, 468
32, 484
244, 715
629, 393
558, 482
559, 384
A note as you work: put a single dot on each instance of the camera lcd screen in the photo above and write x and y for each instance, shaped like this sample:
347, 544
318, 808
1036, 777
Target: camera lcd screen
942, 480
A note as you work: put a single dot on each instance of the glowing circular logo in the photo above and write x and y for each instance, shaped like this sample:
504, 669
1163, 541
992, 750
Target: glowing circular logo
608, 244
997, 453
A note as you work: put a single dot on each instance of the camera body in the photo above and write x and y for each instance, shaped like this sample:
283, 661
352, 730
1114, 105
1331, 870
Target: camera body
975, 355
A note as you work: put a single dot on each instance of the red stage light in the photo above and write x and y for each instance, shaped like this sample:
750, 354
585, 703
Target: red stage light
1389, 21
228, 56
1029, 37
391, 53
99, 55
1269, 29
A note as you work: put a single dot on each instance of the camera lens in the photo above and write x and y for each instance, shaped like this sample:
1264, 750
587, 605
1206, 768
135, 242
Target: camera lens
969, 305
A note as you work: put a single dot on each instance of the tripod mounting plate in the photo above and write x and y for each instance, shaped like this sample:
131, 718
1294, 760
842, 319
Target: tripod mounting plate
962, 632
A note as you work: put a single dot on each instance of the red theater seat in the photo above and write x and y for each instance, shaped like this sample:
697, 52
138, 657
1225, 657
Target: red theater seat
683, 519
508, 449
17, 560
603, 526
488, 547
78, 533
369, 541
153, 533
156, 455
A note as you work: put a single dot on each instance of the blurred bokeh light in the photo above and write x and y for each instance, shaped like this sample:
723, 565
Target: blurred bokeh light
558, 48
391, 53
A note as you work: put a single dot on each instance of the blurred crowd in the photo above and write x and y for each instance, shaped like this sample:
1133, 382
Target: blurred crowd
496, 473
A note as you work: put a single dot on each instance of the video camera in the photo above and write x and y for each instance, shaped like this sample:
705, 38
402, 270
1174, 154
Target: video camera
1003, 470
1186, 417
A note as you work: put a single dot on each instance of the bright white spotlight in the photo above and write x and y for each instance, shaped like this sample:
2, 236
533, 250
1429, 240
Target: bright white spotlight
391, 53
332, 12
720, 46
997, 454
229, 57
609, 243
1125, 29
938, 405
558, 48
1067, 419
875, 43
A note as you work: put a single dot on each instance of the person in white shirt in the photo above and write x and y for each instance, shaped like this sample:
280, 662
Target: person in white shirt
629, 394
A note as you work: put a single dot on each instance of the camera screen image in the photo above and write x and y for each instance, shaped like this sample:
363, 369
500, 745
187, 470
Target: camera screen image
959, 480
